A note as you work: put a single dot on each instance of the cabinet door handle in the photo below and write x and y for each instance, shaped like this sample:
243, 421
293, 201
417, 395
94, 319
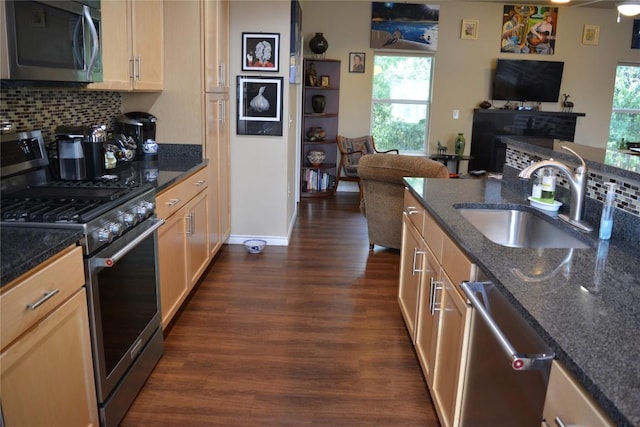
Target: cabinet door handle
221, 117
172, 202
139, 61
189, 219
437, 287
221, 75
47, 296
415, 269
132, 69
199, 183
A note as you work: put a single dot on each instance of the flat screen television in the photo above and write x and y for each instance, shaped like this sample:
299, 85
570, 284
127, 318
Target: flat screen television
527, 80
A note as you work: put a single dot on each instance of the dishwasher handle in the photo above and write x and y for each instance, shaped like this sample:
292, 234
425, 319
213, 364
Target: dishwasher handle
519, 361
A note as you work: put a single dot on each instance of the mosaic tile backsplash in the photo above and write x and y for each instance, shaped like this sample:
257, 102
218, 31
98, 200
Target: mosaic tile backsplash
29, 108
627, 191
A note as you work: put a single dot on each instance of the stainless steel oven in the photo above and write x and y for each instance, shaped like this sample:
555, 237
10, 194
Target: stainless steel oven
125, 317
51, 40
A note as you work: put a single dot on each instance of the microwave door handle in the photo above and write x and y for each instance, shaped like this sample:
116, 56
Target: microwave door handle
95, 42
519, 361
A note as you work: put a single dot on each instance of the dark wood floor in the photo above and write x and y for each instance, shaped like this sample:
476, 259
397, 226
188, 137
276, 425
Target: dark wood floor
304, 335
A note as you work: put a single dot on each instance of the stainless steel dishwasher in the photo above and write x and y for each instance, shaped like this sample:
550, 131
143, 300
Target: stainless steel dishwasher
508, 364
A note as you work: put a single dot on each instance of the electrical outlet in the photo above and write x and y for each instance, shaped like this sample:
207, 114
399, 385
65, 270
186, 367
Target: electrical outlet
456, 114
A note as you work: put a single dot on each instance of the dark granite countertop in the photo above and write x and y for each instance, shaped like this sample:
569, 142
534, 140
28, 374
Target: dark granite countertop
585, 303
22, 249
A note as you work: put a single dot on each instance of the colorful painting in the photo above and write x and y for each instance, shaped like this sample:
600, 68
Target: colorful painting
529, 29
405, 26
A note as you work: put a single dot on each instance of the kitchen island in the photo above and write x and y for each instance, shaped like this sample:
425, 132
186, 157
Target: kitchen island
585, 303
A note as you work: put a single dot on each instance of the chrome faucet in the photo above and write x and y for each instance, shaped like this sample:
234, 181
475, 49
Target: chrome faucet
577, 181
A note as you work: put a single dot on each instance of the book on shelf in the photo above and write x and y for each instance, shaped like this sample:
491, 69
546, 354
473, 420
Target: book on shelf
318, 180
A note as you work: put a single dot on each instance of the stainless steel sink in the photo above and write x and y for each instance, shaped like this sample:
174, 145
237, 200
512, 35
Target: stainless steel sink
519, 229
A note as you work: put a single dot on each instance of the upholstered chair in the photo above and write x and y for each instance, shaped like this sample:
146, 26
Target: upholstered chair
351, 149
383, 192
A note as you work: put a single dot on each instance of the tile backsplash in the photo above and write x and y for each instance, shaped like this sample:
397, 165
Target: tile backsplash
628, 191
29, 108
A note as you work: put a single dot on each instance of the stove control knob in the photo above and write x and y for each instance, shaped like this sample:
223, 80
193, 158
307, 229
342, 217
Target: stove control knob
116, 229
104, 235
141, 211
129, 219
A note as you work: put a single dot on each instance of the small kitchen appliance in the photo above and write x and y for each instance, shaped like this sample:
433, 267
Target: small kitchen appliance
80, 151
142, 128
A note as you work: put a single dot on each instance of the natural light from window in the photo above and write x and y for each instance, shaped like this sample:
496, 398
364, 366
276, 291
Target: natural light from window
625, 113
401, 102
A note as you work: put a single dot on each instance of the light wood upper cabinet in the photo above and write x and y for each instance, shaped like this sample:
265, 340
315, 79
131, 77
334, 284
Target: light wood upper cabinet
216, 45
132, 46
46, 373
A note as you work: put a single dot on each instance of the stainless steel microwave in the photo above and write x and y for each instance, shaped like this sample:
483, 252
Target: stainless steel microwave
54, 41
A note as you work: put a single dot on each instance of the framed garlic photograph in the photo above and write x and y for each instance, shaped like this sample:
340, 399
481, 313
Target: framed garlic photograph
591, 34
259, 105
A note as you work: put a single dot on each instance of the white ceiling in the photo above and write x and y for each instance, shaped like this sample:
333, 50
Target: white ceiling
600, 4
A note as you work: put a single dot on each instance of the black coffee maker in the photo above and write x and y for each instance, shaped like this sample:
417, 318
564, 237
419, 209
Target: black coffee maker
142, 128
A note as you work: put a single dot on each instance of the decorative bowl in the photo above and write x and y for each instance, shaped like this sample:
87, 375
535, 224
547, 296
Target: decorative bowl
316, 157
255, 246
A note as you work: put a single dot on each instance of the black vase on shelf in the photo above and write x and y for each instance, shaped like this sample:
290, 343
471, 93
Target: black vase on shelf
318, 44
318, 102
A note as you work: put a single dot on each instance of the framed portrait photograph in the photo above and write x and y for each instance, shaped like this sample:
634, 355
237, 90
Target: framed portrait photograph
591, 34
325, 81
357, 62
469, 29
260, 52
259, 105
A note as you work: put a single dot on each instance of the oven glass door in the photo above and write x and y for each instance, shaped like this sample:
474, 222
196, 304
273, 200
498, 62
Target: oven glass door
124, 302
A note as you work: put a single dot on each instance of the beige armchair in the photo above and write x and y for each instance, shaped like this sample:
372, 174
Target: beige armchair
351, 150
383, 190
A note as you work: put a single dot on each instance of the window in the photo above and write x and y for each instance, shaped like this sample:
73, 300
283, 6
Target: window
401, 102
625, 113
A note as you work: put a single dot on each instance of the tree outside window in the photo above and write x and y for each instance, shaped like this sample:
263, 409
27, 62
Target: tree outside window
401, 102
625, 115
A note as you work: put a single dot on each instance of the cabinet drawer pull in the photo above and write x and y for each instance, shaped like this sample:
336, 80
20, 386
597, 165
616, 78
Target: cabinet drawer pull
199, 183
411, 210
172, 202
559, 422
46, 297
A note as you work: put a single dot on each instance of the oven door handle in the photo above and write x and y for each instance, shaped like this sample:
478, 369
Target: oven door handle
111, 259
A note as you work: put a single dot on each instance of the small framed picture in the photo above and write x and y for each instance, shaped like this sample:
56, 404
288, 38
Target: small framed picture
324, 81
635, 37
591, 34
259, 106
356, 62
469, 29
260, 51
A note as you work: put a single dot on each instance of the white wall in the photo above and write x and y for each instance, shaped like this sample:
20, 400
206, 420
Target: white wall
263, 168
463, 68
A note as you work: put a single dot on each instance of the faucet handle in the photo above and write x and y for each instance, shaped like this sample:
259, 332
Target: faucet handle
583, 167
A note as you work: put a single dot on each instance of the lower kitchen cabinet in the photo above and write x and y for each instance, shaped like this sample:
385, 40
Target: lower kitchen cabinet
47, 371
183, 241
440, 328
568, 404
